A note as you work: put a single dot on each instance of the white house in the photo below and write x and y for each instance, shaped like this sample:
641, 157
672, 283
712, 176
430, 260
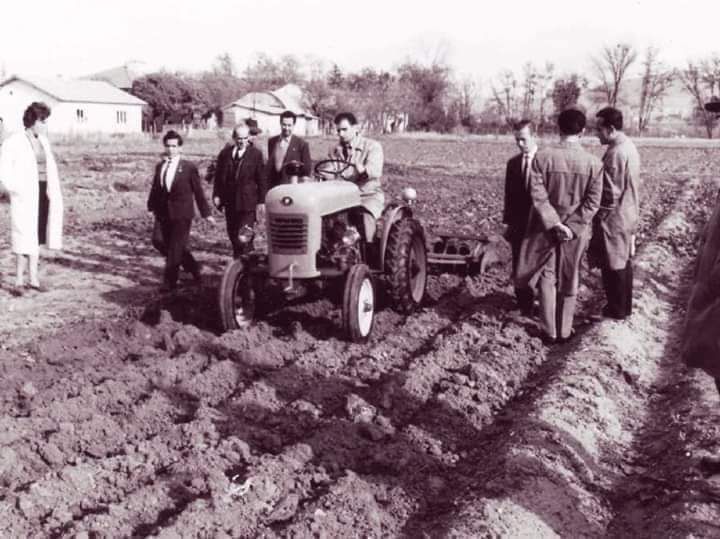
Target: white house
266, 107
77, 106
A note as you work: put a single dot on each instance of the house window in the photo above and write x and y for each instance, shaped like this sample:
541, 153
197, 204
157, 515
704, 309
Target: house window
80, 116
121, 116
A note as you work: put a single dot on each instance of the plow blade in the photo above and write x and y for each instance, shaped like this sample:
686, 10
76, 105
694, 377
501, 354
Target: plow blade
463, 255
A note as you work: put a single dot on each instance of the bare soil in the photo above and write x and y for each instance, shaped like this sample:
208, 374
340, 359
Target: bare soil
125, 413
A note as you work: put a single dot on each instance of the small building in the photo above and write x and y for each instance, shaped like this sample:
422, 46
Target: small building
267, 106
121, 76
78, 106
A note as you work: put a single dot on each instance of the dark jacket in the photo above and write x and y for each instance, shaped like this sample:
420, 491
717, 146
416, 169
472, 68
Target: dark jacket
298, 150
517, 199
178, 203
240, 188
700, 344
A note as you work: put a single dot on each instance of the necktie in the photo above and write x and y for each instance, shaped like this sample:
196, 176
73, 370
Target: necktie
346, 152
526, 169
280, 151
165, 176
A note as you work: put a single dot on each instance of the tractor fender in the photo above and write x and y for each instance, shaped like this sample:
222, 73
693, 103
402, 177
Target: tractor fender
392, 213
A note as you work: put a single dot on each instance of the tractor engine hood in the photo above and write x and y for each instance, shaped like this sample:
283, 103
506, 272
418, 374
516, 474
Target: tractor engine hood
318, 198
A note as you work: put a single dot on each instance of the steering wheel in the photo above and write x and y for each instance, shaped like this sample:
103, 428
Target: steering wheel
335, 169
293, 168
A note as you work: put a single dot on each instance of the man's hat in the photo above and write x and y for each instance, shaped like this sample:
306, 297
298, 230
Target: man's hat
713, 105
253, 125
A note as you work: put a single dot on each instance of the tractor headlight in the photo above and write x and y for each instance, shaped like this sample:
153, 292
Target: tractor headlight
409, 195
350, 236
246, 234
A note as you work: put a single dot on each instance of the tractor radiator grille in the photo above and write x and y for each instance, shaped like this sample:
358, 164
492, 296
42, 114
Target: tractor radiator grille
288, 234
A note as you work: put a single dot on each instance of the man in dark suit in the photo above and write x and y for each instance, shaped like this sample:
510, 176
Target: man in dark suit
240, 186
518, 203
175, 184
286, 147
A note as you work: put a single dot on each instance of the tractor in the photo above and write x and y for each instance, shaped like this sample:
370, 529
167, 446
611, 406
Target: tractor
318, 237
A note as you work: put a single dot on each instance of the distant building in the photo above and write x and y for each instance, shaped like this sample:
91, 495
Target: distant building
121, 76
266, 108
78, 106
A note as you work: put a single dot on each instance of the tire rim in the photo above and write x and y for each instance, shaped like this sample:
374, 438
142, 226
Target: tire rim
417, 270
365, 306
243, 302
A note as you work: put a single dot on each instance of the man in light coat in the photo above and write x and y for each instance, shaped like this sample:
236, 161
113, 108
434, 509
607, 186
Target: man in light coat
367, 157
565, 187
615, 224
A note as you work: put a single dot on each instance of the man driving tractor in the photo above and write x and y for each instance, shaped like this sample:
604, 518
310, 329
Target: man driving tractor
367, 157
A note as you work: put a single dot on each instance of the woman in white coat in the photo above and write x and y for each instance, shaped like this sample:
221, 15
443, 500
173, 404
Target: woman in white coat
29, 173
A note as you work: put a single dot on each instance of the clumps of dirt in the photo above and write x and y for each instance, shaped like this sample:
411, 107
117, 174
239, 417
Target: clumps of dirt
558, 462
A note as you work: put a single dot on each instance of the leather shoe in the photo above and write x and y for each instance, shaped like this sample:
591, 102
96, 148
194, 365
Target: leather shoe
547, 339
167, 287
36, 287
609, 313
563, 340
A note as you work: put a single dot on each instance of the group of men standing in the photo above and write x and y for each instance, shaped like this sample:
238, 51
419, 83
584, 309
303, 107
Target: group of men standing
561, 201
241, 178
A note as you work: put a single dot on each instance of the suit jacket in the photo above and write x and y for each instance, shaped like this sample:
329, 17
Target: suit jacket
178, 203
243, 187
518, 203
620, 203
297, 150
565, 187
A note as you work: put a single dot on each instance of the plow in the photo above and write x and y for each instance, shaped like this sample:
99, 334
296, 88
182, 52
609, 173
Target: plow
462, 254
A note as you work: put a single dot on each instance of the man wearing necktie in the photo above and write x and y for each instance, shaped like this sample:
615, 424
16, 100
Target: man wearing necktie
176, 185
518, 204
286, 147
239, 186
367, 157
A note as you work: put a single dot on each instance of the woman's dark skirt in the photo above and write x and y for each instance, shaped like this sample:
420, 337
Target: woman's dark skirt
44, 206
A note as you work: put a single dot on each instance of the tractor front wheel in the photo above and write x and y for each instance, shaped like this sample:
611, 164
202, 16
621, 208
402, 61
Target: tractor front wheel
236, 297
406, 268
358, 310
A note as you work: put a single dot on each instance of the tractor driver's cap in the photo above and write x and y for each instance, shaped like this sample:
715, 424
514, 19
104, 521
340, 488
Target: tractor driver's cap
713, 105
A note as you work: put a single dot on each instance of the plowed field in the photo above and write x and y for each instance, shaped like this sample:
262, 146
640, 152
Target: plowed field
125, 413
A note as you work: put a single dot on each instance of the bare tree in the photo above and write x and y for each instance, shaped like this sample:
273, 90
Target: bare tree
530, 76
505, 95
544, 85
611, 68
655, 83
699, 80
224, 65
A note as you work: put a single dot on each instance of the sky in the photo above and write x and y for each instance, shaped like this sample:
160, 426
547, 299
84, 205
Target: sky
79, 37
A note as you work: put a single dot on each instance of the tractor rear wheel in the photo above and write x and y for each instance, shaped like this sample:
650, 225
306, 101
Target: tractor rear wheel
406, 268
358, 310
236, 297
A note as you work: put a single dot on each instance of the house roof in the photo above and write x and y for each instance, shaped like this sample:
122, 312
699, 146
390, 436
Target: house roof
288, 97
120, 77
79, 90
